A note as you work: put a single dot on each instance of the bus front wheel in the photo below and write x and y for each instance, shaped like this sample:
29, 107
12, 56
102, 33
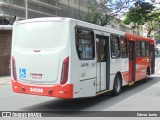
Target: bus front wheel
117, 86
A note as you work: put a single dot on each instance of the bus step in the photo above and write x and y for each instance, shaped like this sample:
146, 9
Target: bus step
131, 83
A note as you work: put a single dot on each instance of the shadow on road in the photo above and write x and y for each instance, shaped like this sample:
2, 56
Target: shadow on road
92, 104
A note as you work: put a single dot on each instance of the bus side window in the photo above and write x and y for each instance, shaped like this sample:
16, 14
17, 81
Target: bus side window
138, 48
143, 49
115, 47
147, 49
123, 47
85, 44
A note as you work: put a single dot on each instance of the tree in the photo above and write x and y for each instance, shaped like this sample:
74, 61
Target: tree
94, 15
139, 14
143, 13
153, 22
103, 12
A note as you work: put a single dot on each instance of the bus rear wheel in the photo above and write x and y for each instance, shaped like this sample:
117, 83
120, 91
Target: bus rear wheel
117, 86
147, 74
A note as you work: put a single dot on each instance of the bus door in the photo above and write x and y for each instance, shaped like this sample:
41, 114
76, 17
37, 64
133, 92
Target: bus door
152, 59
132, 60
103, 62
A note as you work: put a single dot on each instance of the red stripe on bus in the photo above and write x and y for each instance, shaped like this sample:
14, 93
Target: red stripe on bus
60, 91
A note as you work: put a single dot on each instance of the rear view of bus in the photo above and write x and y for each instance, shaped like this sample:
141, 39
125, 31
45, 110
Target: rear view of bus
40, 57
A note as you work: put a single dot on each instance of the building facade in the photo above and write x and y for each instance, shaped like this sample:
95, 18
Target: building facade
119, 25
24, 9
5, 49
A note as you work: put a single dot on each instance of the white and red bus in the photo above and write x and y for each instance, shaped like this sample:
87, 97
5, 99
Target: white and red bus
68, 58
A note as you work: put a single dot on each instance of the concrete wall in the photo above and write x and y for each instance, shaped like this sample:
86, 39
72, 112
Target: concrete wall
5, 51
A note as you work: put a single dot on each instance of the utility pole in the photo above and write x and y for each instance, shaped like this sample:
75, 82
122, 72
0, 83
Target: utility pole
79, 10
26, 8
69, 8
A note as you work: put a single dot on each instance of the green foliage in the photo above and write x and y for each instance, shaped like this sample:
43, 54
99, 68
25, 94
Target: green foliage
136, 16
139, 14
153, 21
94, 15
143, 14
103, 12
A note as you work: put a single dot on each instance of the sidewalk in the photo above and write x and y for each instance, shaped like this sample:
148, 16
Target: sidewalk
5, 79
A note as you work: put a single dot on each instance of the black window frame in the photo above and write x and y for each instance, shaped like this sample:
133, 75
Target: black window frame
140, 48
118, 46
147, 49
77, 45
99, 50
143, 49
124, 39
143, 52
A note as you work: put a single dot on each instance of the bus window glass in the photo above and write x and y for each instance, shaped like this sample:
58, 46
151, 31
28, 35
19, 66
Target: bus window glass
138, 47
143, 48
40, 35
85, 43
101, 49
147, 49
115, 50
123, 47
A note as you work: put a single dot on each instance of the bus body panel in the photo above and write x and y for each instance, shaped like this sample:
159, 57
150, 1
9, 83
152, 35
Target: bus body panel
41, 65
83, 71
125, 70
115, 67
29, 58
142, 63
141, 68
43, 56
31, 62
57, 90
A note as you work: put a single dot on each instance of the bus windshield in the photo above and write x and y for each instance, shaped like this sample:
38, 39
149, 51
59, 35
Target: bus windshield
40, 35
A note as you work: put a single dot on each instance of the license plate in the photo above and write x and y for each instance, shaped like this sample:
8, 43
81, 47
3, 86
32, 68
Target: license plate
36, 90
36, 76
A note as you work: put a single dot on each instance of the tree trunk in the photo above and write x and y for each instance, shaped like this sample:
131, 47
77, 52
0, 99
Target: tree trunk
149, 33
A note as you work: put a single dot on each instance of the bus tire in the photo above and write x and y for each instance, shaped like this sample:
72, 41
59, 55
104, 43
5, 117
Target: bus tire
117, 86
147, 74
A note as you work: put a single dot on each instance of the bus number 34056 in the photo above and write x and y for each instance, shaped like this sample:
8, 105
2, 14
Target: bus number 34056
38, 90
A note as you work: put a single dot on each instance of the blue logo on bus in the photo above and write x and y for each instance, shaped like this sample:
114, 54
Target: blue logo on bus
22, 72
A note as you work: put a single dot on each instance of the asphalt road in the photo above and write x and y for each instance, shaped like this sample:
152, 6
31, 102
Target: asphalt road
139, 97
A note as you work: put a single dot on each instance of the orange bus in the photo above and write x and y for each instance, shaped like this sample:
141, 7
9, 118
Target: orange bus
141, 57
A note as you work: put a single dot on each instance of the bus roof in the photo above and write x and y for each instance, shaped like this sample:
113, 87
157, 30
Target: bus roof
135, 37
100, 28
80, 23
43, 19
